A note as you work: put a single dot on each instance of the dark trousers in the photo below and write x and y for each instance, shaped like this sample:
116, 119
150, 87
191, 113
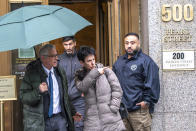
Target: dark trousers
78, 127
56, 123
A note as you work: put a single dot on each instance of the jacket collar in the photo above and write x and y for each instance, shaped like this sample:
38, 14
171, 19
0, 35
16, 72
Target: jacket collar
37, 66
48, 71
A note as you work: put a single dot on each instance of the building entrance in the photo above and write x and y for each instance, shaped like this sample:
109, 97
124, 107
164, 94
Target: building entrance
111, 20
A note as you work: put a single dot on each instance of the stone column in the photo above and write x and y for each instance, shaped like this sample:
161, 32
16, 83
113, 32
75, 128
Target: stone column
176, 109
144, 36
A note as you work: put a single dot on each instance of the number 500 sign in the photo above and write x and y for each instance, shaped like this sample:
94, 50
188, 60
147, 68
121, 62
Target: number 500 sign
177, 12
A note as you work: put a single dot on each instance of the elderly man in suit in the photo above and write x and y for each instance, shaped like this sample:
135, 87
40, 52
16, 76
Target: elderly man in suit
43, 92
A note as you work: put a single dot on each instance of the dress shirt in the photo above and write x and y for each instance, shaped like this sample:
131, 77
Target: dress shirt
56, 95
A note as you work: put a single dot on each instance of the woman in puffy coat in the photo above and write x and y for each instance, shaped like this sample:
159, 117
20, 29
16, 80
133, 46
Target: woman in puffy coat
102, 93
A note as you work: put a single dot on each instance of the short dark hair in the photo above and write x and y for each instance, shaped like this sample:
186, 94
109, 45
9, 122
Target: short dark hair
67, 38
132, 33
85, 51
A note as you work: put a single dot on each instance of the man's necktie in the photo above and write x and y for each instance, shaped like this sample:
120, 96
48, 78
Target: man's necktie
51, 95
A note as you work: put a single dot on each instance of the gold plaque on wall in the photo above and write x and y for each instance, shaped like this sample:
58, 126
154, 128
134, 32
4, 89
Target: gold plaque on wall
8, 88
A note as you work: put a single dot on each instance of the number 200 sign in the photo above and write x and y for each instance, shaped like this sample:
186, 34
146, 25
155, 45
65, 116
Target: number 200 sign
177, 12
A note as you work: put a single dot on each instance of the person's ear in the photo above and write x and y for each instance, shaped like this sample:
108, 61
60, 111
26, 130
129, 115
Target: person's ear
42, 57
82, 63
139, 43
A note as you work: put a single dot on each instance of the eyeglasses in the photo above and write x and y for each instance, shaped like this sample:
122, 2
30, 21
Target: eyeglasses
51, 55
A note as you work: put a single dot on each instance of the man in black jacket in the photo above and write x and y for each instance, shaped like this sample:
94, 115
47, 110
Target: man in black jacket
139, 78
69, 62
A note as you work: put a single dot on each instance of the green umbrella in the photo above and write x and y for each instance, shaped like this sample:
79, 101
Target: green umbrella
32, 25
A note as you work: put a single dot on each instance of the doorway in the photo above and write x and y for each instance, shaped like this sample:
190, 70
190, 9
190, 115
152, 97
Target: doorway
86, 36
111, 21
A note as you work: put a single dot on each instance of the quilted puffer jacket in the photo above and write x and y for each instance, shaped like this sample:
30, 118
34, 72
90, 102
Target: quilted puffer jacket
102, 95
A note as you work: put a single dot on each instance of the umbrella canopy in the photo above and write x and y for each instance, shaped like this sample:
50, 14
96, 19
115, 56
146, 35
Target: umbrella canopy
32, 25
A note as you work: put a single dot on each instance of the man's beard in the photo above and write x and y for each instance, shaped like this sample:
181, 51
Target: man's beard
70, 52
133, 52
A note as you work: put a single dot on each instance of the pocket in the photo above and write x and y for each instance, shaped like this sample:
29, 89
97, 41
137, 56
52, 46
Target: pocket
148, 121
33, 120
144, 111
146, 118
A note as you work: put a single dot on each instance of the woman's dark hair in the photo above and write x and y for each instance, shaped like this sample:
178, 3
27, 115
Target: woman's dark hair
84, 51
